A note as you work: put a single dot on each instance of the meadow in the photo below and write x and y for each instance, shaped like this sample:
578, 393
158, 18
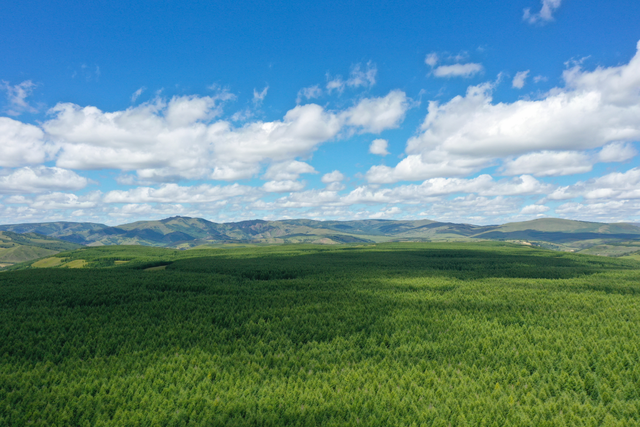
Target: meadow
433, 334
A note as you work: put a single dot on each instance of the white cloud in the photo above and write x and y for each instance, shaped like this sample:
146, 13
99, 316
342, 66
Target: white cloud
471, 132
617, 152
137, 94
519, 79
379, 147
363, 77
335, 186
283, 186
22, 144
56, 201
458, 70
616, 185
386, 213
17, 97
335, 84
427, 192
549, 163
605, 211
431, 59
173, 193
309, 93
335, 176
534, 209
545, 14
166, 141
377, 114
473, 209
483, 185
59, 200
39, 179
358, 77
288, 170
557, 163
258, 97
147, 211
415, 167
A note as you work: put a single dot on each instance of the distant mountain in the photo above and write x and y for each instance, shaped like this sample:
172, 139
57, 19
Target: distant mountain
561, 231
185, 232
75, 232
15, 248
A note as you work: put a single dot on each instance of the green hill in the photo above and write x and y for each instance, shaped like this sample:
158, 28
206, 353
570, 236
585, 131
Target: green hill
16, 248
184, 233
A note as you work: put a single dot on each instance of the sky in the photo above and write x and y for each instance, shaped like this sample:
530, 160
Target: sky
480, 112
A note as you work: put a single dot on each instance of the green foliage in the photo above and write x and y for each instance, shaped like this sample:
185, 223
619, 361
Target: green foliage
15, 248
394, 334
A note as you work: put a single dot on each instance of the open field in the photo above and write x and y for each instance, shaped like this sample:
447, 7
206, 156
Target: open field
432, 334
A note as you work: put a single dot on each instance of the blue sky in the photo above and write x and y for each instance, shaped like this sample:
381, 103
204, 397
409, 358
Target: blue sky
478, 112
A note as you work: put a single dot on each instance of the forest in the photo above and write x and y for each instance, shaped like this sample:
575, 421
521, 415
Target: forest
393, 334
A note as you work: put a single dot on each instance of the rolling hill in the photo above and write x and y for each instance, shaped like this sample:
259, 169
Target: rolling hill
184, 233
16, 248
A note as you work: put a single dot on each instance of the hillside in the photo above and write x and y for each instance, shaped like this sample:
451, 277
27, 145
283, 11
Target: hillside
184, 233
16, 248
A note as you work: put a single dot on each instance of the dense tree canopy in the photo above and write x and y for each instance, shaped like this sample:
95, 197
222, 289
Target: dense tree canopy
394, 334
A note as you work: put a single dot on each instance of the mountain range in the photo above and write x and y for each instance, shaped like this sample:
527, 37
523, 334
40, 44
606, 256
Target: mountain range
184, 233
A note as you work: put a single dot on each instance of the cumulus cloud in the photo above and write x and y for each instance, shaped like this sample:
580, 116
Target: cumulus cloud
39, 179
148, 211
458, 70
545, 14
519, 80
534, 209
557, 163
386, 213
605, 211
616, 185
17, 97
379, 147
429, 191
471, 132
282, 186
377, 114
549, 163
483, 185
288, 170
22, 144
174, 193
58, 200
335, 176
617, 152
178, 139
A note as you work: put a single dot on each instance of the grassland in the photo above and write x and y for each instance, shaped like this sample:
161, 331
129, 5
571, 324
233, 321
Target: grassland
389, 334
17, 248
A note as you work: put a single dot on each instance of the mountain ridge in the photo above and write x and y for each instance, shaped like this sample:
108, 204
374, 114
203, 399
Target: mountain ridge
187, 232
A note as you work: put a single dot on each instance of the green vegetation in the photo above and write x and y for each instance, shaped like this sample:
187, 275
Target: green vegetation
389, 334
17, 248
187, 233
